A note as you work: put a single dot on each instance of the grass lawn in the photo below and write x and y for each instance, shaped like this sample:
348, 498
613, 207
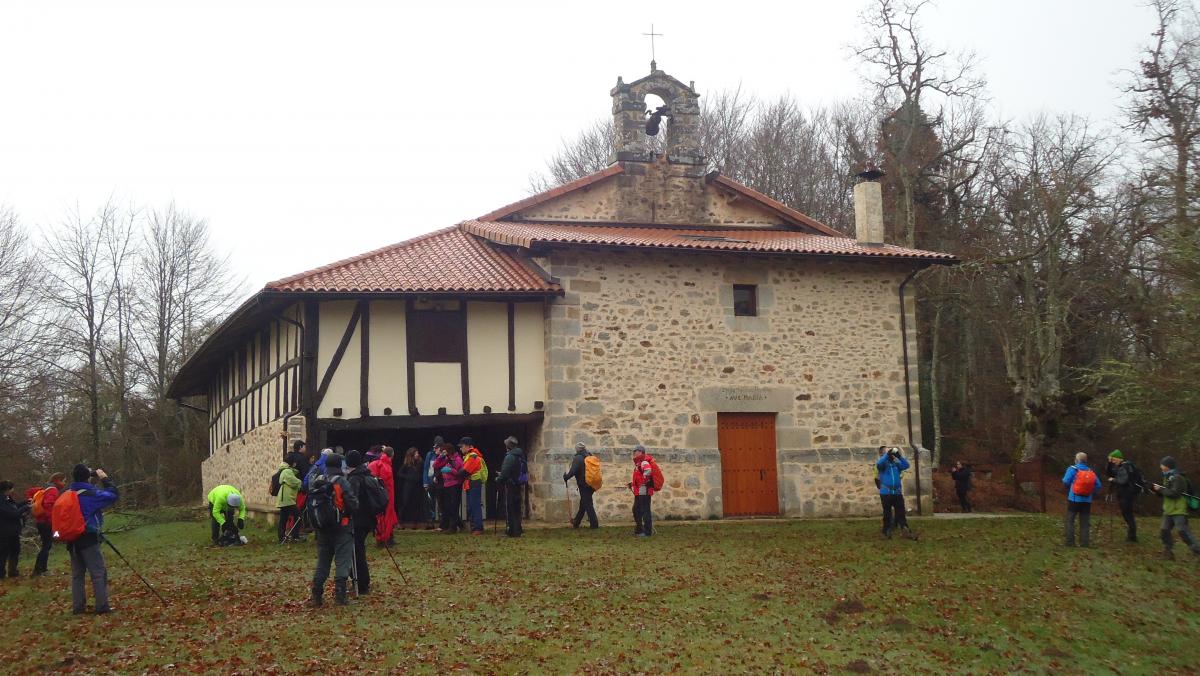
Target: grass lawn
980, 595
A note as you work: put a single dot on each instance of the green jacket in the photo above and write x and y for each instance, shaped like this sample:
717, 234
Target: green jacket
289, 486
218, 498
1174, 486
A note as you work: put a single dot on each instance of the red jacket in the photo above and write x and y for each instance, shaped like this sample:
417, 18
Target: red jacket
642, 475
48, 499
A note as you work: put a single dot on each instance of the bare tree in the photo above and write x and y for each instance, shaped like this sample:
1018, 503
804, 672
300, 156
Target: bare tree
84, 294
182, 284
20, 287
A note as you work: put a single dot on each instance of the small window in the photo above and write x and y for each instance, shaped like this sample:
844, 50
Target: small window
745, 300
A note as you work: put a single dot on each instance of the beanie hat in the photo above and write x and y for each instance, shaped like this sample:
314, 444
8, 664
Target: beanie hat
234, 500
639, 450
298, 444
1168, 462
1116, 454
332, 461
353, 459
81, 473
438, 440
580, 446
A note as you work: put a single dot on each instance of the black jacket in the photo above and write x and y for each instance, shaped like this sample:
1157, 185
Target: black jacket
409, 475
356, 478
510, 469
962, 479
578, 470
12, 516
1127, 477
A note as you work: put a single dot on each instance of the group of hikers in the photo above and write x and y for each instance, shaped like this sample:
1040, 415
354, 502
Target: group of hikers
1127, 482
343, 500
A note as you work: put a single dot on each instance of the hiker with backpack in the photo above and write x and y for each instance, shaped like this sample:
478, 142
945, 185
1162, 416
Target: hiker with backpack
78, 520
385, 521
331, 505
448, 468
1127, 479
962, 485
372, 501
1174, 491
41, 501
579, 471
514, 476
227, 514
891, 466
475, 473
643, 487
12, 522
285, 486
1082, 485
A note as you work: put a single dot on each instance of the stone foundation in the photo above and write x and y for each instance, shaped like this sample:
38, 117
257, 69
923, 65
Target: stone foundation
247, 463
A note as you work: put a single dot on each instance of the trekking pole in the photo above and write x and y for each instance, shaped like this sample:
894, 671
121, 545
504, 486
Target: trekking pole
354, 560
127, 563
392, 556
296, 524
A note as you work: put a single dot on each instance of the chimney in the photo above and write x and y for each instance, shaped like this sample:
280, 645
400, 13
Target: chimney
868, 208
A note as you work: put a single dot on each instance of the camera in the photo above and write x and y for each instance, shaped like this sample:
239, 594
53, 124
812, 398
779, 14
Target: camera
894, 452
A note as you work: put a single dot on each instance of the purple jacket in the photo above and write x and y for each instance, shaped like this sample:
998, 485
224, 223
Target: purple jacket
93, 500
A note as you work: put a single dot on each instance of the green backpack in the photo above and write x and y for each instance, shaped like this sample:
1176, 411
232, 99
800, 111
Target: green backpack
1193, 501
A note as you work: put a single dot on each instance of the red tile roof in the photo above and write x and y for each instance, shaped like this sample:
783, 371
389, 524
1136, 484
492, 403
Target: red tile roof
547, 195
695, 239
445, 261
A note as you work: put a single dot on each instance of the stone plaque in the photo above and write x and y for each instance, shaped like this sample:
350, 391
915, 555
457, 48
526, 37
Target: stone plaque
745, 399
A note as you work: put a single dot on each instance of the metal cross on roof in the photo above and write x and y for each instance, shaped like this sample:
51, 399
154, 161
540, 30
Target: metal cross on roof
653, 61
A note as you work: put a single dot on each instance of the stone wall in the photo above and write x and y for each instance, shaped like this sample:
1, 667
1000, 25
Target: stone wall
248, 462
644, 348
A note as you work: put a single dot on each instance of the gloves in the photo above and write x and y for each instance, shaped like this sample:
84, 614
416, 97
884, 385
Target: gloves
241, 524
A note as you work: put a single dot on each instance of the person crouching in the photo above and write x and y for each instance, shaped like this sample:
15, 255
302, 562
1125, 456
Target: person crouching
227, 515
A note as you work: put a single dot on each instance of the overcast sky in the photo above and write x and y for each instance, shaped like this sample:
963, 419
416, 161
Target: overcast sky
305, 132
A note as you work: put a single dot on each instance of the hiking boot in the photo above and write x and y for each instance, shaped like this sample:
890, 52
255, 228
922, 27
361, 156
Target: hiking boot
1167, 555
104, 611
315, 600
339, 592
574, 523
908, 535
887, 533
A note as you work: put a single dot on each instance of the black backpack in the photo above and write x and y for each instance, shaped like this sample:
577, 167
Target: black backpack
323, 512
1136, 480
373, 498
274, 490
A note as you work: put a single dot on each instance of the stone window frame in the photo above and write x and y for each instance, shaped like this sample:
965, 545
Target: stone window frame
753, 300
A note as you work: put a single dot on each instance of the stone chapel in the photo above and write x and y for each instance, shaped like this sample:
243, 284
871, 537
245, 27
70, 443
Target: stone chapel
758, 354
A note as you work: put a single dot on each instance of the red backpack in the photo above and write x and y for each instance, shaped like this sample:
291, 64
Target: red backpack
656, 474
66, 517
1085, 483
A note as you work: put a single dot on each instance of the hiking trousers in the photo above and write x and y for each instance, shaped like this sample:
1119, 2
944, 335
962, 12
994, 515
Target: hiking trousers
586, 506
288, 514
451, 503
893, 513
475, 506
10, 554
512, 511
1084, 511
88, 559
362, 571
964, 502
1179, 523
46, 534
642, 515
334, 546
1126, 503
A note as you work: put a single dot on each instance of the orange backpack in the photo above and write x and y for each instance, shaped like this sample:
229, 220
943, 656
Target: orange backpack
1084, 484
66, 517
39, 503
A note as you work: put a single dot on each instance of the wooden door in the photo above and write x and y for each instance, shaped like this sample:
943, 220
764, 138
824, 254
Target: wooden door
749, 485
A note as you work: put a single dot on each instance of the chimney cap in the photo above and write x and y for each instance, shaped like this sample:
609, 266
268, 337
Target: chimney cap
871, 173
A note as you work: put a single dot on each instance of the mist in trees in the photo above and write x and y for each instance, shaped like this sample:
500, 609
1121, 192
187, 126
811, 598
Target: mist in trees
96, 316
1074, 321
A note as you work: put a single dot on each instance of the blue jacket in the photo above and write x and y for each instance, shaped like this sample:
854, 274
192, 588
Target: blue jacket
889, 474
1069, 480
315, 471
426, 475
93, 500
